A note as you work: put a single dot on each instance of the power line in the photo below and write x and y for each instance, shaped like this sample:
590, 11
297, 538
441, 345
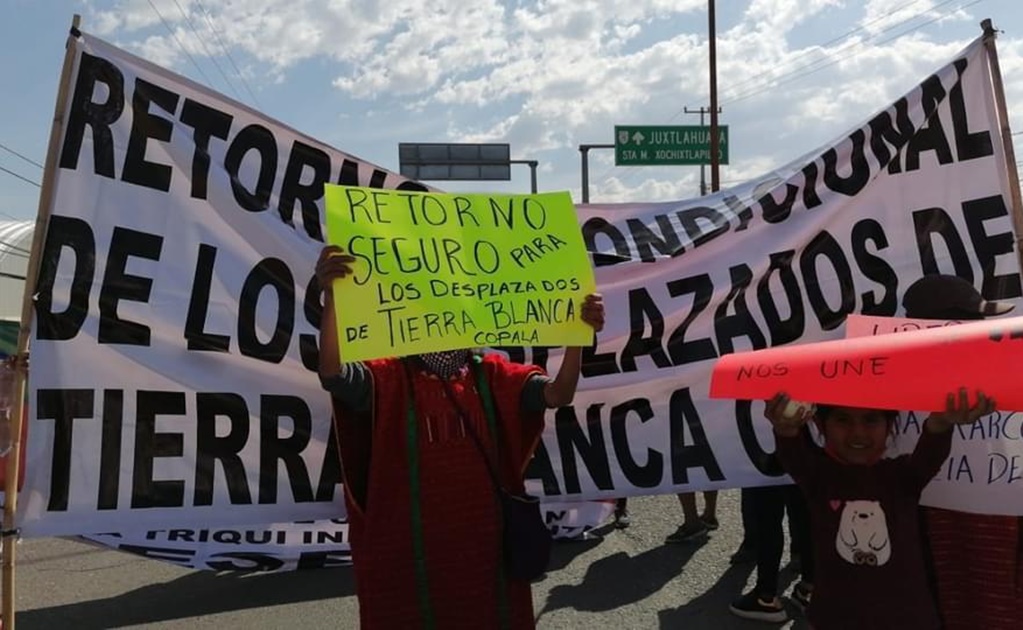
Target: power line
10, 216
830, 60
202, 43
833, 57
180, 45
24, 179
11, 252
13, 152
766, 85
13, 246
227, 53
807, 52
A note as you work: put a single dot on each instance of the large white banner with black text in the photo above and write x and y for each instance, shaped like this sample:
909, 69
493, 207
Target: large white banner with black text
173, 381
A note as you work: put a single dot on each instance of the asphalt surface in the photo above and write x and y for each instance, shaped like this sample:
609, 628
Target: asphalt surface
628, 579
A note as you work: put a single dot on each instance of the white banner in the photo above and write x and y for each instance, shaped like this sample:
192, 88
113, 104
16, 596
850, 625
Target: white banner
269, 548
174, 347
294, 546
922, 187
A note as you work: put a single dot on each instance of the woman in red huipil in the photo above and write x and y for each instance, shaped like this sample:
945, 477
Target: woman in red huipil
976, 559
423, 517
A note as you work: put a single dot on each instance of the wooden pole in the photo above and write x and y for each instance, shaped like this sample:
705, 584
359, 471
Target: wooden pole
1015, 199
21, 357
703, 173
715, 164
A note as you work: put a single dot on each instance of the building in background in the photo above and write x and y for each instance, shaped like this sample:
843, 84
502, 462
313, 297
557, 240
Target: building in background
15, 244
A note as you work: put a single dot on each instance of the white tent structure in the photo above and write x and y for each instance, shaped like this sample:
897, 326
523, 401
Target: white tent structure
15, 244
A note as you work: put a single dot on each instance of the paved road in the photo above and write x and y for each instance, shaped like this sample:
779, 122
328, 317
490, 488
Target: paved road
629, 579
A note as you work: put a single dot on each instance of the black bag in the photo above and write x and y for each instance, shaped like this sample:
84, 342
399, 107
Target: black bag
526, 539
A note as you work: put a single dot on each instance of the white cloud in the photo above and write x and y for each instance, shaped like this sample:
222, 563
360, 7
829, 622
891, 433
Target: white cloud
548, 75
782, 15
131, 15
881, 15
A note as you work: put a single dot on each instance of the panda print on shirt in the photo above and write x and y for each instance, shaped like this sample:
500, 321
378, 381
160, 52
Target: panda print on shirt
863, 534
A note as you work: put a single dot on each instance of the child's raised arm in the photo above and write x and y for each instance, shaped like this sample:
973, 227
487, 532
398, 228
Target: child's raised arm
935, 442
959, 411
795, 448
786, 425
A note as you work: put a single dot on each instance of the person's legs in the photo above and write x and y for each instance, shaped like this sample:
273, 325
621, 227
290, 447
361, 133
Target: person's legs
770, 508
622, 519
762, 602
688, 502
710, 509
749, 518
692, 528
747, 551
799, 529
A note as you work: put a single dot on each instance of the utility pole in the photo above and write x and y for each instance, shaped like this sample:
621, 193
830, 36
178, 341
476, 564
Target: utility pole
703, 172
715, 173
584, 150
532, 172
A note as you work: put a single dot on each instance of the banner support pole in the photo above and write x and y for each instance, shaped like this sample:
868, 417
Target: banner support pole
46, 195
1015, 198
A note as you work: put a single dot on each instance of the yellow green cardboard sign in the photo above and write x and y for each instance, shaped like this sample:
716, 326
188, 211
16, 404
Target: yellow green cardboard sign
440, 272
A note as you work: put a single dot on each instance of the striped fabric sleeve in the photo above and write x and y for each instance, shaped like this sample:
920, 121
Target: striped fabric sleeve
531, 400
352, 387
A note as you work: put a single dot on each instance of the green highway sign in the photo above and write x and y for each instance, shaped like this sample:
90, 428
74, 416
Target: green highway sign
644, 145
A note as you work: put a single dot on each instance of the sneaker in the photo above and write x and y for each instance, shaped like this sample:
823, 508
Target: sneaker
688, 532
745, 554
584, 536
710, 521
801, 595
622, 519
751, 606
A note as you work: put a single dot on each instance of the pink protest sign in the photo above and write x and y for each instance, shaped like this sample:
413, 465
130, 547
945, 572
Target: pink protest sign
869, 325
911, 370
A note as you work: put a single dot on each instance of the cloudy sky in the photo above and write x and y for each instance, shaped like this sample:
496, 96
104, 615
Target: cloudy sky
544, 76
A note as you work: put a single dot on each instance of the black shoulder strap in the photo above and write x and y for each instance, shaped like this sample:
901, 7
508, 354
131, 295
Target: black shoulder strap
483, 386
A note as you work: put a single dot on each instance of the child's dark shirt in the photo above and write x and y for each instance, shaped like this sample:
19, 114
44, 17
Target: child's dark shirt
866, 537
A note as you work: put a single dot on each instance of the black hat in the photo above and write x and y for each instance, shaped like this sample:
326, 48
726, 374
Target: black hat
948, 297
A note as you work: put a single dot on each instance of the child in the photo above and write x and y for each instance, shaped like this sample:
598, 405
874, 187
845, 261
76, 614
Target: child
863, 509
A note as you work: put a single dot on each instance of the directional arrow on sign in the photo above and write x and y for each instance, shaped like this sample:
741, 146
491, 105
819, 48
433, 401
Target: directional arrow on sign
682, 145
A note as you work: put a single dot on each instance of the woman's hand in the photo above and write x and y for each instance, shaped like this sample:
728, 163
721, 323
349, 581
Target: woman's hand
592, 311
332, 265
786, 425
959, 411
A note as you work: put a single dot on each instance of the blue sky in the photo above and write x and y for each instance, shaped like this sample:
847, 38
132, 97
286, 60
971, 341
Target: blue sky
544, 76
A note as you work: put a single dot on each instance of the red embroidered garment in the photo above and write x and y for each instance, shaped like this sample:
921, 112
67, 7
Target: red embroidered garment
978, 563
434, 562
